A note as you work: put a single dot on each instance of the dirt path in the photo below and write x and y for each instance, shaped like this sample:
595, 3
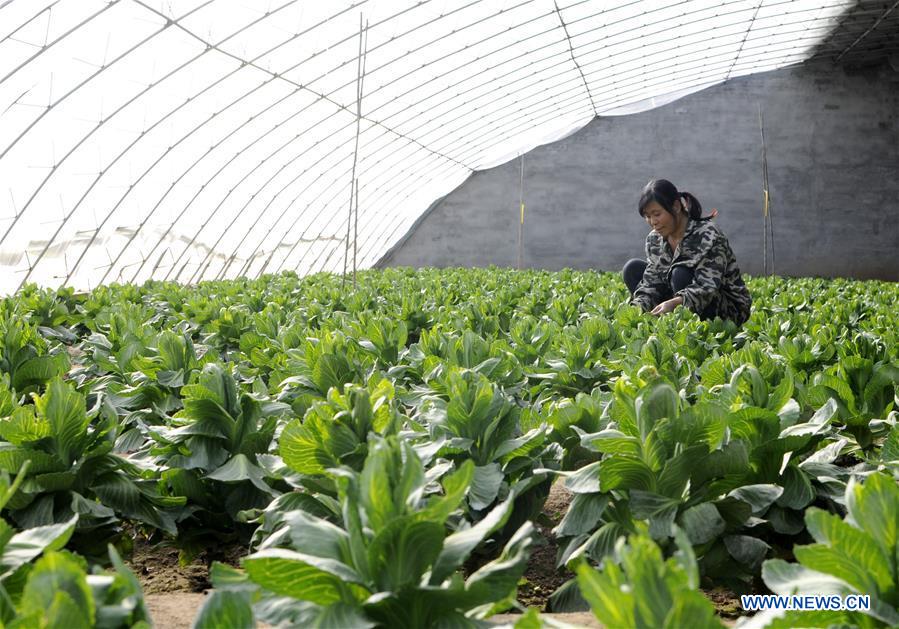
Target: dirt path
174, 610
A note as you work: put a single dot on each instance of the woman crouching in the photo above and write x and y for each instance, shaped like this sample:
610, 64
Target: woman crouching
688, 260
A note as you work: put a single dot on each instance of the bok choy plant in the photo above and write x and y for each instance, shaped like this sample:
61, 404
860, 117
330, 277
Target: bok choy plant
389, 561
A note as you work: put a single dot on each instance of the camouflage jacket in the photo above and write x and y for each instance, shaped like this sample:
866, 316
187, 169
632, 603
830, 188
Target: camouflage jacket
717, 288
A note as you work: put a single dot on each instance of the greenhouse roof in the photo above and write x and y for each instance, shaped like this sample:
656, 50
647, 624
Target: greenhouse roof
193, 139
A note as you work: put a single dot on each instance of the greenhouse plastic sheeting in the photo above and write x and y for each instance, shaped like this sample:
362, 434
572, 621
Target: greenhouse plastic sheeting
201, 139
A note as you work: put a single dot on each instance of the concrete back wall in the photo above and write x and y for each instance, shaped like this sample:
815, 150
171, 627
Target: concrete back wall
833, 164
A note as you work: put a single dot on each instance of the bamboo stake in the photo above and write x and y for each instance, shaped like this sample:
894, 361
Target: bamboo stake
521, 212
355, 233
766, 191
360, 77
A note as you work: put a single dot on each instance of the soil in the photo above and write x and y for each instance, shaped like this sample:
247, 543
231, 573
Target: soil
542, 577
174, 593
726, 602
174, 610
159, 571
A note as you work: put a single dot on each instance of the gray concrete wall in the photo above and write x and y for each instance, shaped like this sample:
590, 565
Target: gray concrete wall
833, 163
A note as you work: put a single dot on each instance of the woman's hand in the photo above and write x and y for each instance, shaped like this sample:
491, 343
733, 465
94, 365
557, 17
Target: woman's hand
667, 306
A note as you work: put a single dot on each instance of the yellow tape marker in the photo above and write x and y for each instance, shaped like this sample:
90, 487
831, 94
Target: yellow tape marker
766, 203
522, 213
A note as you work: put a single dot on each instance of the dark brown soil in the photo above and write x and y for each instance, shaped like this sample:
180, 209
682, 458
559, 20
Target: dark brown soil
159, 571
542, 578
727, 604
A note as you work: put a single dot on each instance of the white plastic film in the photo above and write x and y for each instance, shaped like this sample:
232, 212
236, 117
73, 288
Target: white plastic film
205, 139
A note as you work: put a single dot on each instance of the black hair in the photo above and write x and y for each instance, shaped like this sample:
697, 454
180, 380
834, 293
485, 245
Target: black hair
666, 194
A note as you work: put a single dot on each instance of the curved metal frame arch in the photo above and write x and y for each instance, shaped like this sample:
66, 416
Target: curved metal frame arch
60, 100
222, 140
404, 136
466, 115
254, 250
403, 56
170, 113
396, 174
280, 75
341, 190
45, 48
366, 117
145, 173
455, 142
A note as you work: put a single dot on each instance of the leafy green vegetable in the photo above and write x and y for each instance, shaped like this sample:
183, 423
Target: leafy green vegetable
636, 587
389, 562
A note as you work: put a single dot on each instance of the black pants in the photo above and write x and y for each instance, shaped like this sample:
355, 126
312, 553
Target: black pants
681, 277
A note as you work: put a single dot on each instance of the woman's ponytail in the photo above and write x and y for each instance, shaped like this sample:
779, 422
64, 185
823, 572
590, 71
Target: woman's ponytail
692, 205
665, 194
694, 208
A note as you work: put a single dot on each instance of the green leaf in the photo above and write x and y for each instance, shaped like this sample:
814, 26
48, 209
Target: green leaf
691, 609
64, 612
498, 579
659, 510
391, 474
656, 401
24, 427
874, 508
485, 485
315, 536
460, 544
612, 441
790, 578
759, 497
38, 370
56, 481
122, 494
239, 468
25, 546
585, 480
611, 603
529, 620
225, 608
781, 394
454, 487
890, 450
314, 579
63, 408
817, 424
341, 616
785, 521
583, 514
749, 551
798, 491
401, 552
53, 575
845, 552
625, 473
677, 470
128, 595
702, 523
686, 558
